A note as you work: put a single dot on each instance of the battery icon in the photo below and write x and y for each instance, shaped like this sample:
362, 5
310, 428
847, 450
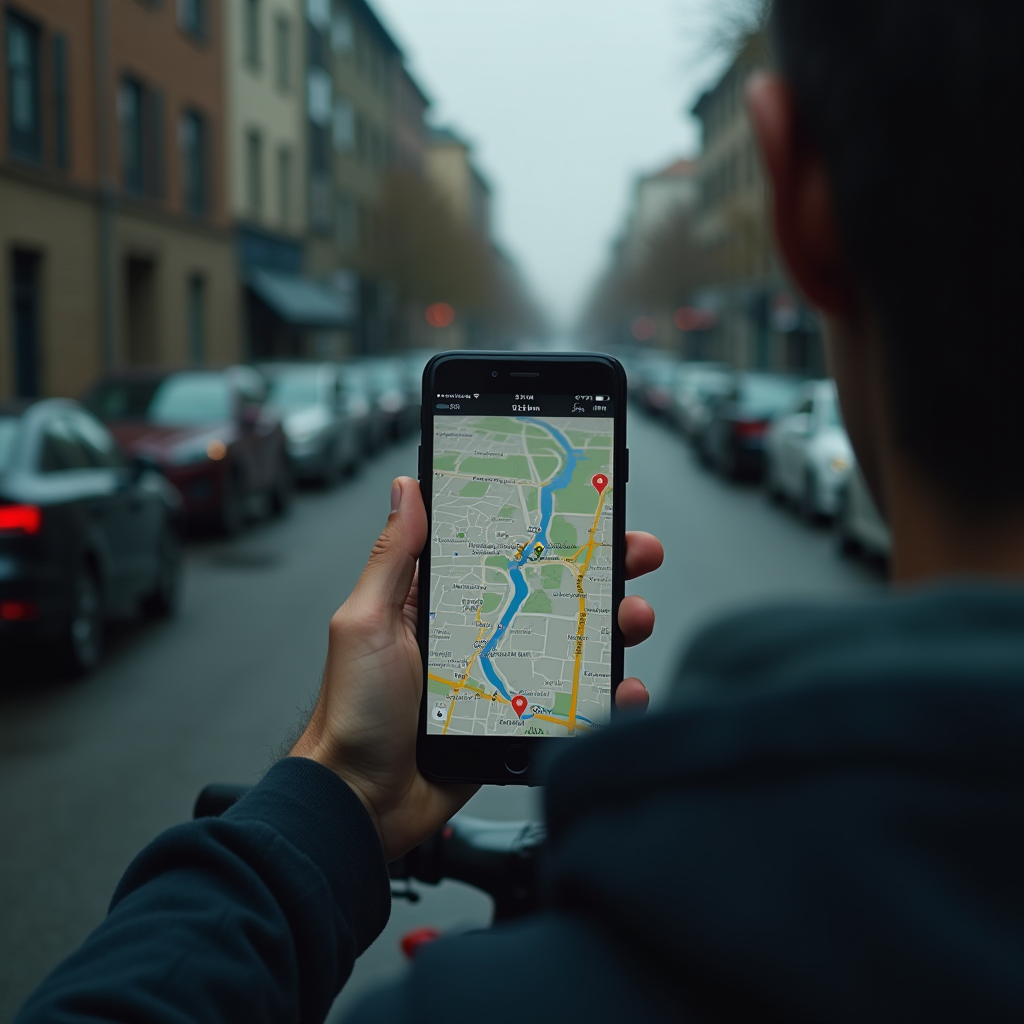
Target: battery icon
601, 398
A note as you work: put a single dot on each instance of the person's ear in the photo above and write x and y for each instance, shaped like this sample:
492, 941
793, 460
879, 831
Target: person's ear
802, 214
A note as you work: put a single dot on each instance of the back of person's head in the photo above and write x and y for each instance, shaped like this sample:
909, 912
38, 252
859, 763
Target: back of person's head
917, 108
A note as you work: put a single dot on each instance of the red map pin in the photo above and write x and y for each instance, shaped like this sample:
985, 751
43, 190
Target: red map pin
600, 482
519, 703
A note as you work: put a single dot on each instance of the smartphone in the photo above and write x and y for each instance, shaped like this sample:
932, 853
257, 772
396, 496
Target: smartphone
523, 466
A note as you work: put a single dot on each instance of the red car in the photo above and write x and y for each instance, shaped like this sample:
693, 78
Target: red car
211, 433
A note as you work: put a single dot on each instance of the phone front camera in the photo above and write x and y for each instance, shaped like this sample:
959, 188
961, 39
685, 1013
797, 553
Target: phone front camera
494, 373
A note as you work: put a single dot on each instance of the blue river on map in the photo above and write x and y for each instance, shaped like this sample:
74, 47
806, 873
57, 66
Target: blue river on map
520, 590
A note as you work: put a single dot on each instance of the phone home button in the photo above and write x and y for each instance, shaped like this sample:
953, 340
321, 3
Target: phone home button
517, 759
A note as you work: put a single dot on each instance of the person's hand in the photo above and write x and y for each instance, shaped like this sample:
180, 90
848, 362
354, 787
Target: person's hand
366, 717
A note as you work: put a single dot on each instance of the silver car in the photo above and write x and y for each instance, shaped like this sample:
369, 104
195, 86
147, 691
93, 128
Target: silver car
322, 437
807, 453
859, 525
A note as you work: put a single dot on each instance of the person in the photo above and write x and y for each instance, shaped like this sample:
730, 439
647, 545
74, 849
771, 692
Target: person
827, 823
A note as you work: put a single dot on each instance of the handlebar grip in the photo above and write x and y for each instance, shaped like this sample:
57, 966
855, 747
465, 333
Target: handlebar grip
216, 798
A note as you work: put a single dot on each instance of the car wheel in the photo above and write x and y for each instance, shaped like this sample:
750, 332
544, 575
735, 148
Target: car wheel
163, 600
231, 514
282, 489
81, 645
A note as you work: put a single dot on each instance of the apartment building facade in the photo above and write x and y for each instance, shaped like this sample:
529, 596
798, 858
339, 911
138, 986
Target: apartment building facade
284, 312
114, 227
759, 321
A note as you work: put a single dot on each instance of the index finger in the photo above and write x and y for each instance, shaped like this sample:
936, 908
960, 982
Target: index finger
644, 553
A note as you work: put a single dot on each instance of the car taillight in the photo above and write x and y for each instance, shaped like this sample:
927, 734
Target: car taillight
20, 518
15, 611
750, 429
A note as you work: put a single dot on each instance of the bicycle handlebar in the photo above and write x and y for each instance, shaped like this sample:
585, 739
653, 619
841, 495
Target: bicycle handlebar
496, 857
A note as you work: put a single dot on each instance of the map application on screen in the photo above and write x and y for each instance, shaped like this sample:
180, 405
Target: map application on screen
520, 610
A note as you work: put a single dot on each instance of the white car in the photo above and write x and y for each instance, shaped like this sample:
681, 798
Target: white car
807, 453
695, 384
859, 525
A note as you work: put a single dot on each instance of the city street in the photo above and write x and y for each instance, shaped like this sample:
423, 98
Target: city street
94, 769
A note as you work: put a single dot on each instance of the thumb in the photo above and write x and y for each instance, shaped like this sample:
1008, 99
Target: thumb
389, 572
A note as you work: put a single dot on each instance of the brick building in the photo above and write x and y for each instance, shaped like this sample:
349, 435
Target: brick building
114, 229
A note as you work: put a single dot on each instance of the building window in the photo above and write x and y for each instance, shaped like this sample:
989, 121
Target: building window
25, 136
133, 165
319, 102
254, 172
25, 301
141, 119
283, 36
192, 140
344, 126
284, 185
62, 148
192, 17
196, 305
342, 35
252, 33
319, 14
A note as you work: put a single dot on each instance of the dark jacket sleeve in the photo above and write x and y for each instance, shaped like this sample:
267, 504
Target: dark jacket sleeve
255, 916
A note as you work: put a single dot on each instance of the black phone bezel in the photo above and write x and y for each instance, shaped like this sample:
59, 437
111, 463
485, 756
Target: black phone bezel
514, 760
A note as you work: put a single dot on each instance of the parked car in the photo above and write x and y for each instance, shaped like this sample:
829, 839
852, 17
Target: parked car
361, 396
85, 533
859, 525
733, 441
210, 431
657, 384
414, 363
807, 453
387, 383
323, 440
695, 384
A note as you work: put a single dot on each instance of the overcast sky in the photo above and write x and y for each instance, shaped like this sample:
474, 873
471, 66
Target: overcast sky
565, 101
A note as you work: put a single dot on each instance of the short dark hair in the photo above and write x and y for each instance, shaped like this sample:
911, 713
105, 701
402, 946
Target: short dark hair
918, 111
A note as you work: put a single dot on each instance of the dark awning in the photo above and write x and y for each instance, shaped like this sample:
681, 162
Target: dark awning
301, 301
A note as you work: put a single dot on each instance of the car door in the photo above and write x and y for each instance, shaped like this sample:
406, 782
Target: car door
93, 498
793, 439
260, 433
137, 510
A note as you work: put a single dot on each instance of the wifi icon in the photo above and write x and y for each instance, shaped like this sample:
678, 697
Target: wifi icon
477, 395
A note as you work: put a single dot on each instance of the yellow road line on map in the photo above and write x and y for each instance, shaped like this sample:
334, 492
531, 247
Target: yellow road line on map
495, 697
582, 622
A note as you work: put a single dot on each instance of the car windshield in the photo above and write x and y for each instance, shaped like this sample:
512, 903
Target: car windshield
8, 432
765, 392
182, 399
295, 390
830, 414
707, 382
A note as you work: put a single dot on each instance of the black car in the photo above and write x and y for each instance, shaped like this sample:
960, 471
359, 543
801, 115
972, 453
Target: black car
85, 532
733, 441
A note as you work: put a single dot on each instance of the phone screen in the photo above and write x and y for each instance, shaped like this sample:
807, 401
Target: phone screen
520, 593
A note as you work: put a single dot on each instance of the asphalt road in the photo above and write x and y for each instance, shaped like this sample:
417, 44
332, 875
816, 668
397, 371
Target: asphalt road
90, 771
